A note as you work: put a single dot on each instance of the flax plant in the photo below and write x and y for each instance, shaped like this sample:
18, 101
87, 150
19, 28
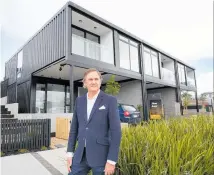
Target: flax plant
176, 146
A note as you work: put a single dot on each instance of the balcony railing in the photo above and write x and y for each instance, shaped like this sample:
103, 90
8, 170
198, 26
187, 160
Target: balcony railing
168, 75
190, 82
90, 49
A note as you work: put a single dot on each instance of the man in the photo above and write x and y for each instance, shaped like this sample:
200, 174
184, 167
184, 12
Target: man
96, 126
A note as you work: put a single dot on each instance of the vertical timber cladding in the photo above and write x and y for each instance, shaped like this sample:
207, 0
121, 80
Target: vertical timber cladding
47, 46
4, 85
23, 97
11, 93
10, 70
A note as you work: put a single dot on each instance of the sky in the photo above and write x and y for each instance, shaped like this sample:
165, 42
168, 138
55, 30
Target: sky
182, 28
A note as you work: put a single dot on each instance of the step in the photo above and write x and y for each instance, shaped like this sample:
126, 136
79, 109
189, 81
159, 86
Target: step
7, 116
7, 120
3, 107
5, 112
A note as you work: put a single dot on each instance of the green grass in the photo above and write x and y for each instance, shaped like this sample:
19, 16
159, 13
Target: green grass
175, 146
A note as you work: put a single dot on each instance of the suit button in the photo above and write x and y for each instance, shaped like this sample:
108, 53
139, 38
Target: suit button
86, 128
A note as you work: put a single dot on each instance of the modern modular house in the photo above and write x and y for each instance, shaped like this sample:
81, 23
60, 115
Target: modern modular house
45, 75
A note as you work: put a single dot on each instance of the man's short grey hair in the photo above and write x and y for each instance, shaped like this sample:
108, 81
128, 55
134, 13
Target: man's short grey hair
89, 71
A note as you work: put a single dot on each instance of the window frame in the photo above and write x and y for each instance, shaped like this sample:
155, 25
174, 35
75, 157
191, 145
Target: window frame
154, 53
130, 42
181, 68
85, 32
19, 65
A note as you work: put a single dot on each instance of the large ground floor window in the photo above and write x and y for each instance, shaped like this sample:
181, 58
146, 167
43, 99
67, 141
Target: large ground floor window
52, 98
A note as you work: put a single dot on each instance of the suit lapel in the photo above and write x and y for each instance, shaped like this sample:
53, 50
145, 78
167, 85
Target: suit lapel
85, 107
96, 105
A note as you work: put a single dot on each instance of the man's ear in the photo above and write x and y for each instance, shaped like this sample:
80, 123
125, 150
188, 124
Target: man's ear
84, 86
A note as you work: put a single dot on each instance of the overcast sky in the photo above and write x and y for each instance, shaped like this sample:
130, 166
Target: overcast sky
182, 28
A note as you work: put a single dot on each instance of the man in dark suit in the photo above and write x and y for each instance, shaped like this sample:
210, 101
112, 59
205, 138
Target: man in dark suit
96, 127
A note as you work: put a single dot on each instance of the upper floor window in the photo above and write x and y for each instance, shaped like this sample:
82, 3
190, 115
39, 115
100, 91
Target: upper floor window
151, 62
128, 50
85, 34
19, 64
190, 76
181, 73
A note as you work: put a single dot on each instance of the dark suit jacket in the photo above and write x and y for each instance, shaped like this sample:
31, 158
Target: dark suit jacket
102, 131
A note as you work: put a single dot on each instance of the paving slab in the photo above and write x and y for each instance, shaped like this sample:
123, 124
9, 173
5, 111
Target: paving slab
22, 164
57, 158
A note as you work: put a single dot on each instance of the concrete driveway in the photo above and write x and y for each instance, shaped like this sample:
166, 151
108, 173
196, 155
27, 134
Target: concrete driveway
50, 162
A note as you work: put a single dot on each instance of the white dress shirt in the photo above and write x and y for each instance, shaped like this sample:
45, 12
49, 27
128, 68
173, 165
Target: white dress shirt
90, 104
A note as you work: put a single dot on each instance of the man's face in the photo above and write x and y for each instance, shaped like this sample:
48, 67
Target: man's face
92, 81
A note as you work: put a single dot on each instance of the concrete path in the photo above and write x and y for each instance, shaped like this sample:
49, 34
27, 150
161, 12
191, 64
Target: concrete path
50, 162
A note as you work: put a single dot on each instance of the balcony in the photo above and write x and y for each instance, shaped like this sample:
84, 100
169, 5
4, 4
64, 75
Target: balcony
90, 49
168, 75
190, 82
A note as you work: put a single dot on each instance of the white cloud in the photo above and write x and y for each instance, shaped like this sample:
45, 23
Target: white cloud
205, 82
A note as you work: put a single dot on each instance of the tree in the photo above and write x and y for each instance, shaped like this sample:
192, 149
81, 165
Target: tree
202, 99
112, 87
186, 97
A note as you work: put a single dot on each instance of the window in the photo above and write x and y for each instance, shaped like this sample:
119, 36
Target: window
40, 98
19, 64
85, 34
190, 77
55, 98
78, 32
52, 98
148, 63
123, 38
85, 43
129, 58
181, 73
67, 99
92, 37
155, 68
124, 55
134, 58
151, 62
129, 108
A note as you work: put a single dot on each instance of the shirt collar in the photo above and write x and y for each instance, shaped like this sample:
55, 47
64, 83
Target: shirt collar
94, 96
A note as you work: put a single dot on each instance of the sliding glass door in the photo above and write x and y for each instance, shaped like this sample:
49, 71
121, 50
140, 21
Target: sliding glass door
55, 98
52, 98
40, 98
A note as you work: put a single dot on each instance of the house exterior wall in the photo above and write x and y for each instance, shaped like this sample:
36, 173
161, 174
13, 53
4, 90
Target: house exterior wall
53, 42
23, 97
46, 47
168, 96
10, 70
130, 93
11, 93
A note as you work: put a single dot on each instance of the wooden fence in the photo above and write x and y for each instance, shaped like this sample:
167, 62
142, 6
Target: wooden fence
24, 134
62, 127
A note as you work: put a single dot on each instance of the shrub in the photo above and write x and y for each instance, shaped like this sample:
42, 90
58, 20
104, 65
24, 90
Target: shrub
22, 150
2, 154
175, 146
43, 148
